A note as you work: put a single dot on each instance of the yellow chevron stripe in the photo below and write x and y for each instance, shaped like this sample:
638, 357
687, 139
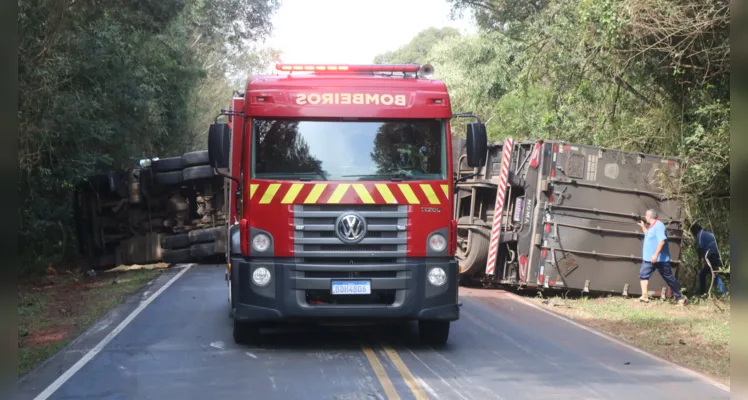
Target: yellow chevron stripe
315, 193
252, 190
408, 193
272, 189
338, 194
293, 191
445, 189
429, 192
387, 195
363, 193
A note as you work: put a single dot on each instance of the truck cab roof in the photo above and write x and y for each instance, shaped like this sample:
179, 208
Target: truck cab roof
346, 94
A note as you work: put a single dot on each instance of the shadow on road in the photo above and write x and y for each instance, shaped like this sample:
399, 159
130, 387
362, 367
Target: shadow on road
307, 336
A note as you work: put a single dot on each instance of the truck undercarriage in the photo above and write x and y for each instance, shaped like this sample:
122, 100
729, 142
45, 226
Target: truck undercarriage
168, 210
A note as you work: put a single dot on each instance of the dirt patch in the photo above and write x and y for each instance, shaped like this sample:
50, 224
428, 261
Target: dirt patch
696, 336
48, 335
58, 307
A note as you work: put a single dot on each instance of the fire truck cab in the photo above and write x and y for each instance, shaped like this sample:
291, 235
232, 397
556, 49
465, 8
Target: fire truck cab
343, 205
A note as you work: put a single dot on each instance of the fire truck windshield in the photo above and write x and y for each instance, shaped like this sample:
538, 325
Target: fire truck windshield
413, 149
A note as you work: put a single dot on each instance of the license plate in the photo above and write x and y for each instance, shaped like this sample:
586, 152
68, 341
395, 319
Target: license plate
351, 287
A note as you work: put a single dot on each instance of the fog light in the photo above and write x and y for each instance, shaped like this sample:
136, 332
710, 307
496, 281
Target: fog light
437, 242
261, 276
261, 242
437, 276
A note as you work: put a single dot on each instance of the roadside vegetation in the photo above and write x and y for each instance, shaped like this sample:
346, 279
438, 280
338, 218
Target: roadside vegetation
648, 76
56, 309
103, 85
696, 337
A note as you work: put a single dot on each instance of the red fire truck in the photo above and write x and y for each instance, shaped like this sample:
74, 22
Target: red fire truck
341, 197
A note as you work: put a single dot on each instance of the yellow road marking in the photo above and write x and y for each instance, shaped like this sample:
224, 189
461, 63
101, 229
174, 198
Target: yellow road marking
293, 191
408, 193
315, 193
252, 190
429, 192
272, 189
387, 195
363, 193
389, 388
445, 189
337, 195
410, 380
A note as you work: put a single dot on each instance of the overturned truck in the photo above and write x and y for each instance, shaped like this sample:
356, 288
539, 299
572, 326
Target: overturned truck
568, 216
169, 210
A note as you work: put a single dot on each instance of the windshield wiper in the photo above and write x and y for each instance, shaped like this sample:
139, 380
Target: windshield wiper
393, 176
302, 176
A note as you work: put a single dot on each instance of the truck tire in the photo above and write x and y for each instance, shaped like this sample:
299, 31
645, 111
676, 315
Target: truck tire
176, 256
167, 164
208, 235
202, 250
178, 241
168, 178
197, 173
194, 158
474, 259
246, 332
433, 333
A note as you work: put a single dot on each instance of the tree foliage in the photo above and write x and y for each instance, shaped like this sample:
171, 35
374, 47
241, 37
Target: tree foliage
648, 76
103, 84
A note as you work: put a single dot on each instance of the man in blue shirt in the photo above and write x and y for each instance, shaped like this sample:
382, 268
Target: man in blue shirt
706, 246
656, 255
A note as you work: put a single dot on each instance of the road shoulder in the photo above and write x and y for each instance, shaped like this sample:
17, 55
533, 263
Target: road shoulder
121, 299
695, 338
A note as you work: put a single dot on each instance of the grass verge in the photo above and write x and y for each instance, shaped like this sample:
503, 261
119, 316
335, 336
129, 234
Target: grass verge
58, 308
696, 336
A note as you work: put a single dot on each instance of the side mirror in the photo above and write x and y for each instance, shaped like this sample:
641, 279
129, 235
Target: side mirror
477, 144
219, 139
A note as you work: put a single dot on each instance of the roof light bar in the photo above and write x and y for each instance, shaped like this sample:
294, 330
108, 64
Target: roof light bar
412, 68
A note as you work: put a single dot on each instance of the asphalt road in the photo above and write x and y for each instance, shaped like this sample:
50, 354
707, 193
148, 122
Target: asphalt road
180, 347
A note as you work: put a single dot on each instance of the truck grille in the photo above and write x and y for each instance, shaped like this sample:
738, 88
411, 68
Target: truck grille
315, 238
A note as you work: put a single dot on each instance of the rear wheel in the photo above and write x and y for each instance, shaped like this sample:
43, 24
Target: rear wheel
176, 256
195, 158
472, 253
434, 333
246, 332
167, 165
197, 173
207, 235
202, 250
178, 241
168, 178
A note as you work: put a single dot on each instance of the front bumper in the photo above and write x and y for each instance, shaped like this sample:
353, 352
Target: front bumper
301, 291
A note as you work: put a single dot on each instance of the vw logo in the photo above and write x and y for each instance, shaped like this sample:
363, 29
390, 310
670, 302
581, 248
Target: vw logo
350, 228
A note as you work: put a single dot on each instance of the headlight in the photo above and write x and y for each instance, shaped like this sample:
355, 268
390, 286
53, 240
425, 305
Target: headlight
261, 276
437, 276
437, 242
261, 242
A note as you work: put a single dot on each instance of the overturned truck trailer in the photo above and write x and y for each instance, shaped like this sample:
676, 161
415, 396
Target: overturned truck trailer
169, 210
570, 216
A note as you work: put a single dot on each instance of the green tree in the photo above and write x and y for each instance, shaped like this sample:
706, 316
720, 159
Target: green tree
104, 84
